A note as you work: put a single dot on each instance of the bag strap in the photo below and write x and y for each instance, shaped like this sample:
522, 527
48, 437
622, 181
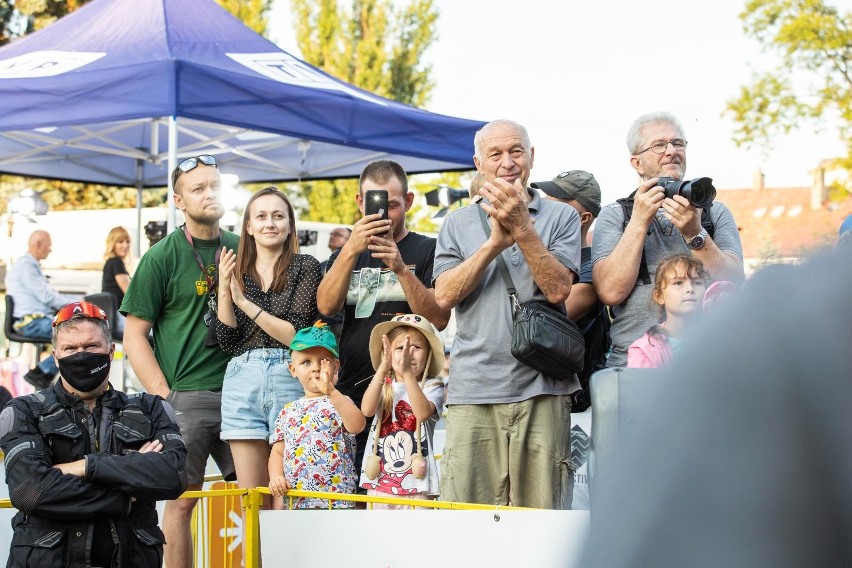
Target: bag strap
501, 262
627, 211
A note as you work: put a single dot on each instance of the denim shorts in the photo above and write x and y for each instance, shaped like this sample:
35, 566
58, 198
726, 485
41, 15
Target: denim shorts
256, 387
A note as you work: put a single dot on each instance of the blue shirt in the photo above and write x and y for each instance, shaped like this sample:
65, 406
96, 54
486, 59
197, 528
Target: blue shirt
28, 285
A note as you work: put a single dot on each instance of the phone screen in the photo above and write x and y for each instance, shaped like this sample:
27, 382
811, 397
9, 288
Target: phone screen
376, 201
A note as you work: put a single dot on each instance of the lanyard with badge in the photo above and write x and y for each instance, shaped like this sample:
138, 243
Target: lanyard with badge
208, 285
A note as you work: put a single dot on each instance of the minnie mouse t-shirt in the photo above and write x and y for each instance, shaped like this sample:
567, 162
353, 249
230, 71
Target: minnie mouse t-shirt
397, 445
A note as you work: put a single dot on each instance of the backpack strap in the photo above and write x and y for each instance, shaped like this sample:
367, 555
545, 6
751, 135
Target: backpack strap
626, 204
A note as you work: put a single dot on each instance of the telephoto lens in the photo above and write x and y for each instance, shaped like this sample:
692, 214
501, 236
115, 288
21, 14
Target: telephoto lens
699, 191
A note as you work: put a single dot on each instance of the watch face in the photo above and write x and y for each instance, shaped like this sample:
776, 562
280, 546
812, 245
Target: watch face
697, 241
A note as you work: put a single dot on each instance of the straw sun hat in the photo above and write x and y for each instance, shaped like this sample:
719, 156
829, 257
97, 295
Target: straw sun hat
421, 324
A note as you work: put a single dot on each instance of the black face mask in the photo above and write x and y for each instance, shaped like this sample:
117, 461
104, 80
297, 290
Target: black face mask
85, 371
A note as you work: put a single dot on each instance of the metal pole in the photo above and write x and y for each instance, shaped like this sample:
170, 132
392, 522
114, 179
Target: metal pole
173, 148
137, 242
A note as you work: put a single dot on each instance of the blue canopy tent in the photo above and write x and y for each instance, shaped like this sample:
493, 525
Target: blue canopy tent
118, 91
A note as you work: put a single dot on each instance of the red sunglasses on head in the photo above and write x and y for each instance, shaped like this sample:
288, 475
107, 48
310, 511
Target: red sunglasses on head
79, 309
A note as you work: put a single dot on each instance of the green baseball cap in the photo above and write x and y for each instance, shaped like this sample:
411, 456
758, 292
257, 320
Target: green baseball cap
318, 335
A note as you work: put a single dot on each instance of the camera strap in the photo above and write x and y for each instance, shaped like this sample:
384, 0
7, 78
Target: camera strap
626, 204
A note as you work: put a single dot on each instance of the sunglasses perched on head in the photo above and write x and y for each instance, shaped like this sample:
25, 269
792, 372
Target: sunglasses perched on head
79, 309
190, 164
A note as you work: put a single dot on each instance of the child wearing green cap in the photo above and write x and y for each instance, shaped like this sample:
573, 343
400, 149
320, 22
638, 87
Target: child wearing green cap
313, 445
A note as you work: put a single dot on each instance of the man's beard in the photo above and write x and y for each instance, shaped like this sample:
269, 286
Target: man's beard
207, 216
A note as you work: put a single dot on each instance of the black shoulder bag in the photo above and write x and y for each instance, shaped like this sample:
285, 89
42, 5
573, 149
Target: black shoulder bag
543, 338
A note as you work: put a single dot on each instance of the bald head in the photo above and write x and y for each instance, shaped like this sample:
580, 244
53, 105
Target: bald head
39, 244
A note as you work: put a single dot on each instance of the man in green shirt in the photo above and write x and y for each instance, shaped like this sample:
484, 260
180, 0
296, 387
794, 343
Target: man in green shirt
169, 294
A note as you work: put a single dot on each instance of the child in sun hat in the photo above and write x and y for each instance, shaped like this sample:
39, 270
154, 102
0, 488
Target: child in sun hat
313, 445
406, 398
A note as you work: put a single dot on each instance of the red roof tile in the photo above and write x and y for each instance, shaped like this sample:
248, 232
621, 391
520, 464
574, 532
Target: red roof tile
780, 222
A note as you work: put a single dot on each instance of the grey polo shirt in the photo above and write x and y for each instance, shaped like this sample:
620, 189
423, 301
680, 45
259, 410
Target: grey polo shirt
483, 370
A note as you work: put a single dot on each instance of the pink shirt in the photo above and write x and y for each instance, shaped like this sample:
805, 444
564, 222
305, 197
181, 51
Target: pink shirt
649, 353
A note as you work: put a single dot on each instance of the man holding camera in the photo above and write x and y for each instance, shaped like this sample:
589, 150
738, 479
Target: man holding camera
662, 223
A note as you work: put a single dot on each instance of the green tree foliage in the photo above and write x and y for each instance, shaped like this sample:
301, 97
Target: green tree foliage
812, 82
20, 17
376, 45
370, 43
253, 13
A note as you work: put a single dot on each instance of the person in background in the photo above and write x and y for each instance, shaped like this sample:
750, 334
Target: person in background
313, 446
266, 292
405, 399
116, 274
718, 294
581, 191
36, 301
679, 286
383, 270
86, 464
497, 406
337, 238
475, 184
659, 226
173, 293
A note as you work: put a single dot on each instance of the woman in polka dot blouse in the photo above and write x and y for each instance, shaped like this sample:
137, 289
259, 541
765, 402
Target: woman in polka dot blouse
267, 291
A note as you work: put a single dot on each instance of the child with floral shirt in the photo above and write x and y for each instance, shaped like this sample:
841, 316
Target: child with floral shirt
313, 445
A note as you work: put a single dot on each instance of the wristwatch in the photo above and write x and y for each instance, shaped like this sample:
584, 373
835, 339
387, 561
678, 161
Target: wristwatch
697, 242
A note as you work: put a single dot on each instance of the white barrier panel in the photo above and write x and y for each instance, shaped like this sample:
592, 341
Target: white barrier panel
423, 538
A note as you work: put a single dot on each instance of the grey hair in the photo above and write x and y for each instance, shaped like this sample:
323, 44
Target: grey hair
634, 135
477, 138
101, 324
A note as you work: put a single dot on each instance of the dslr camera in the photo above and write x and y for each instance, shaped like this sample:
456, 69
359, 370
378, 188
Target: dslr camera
699, 191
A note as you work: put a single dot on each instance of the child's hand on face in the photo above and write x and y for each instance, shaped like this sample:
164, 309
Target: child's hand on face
278, 486
325, 382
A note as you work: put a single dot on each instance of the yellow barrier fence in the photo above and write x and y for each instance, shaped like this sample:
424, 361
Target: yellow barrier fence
219, 531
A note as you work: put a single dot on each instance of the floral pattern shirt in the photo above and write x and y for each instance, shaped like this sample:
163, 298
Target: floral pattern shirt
319, 453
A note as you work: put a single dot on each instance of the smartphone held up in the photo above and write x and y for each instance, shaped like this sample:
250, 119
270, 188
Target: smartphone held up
376, 203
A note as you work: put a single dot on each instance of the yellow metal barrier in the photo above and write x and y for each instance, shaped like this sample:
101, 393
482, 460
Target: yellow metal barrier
218, 529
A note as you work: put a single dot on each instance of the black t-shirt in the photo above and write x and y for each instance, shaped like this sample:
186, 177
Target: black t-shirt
113, 267
418, 252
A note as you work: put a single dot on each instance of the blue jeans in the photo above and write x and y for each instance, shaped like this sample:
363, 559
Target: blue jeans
256, 387
42, 328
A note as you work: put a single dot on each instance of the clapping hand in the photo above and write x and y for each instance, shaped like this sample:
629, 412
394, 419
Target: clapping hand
507, 206
227, 266
385, 365
403, 358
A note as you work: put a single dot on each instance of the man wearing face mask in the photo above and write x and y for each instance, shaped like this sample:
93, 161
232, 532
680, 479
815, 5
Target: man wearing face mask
85, 464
